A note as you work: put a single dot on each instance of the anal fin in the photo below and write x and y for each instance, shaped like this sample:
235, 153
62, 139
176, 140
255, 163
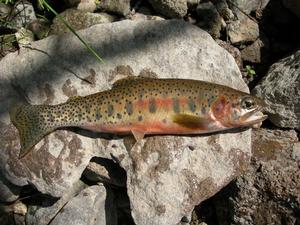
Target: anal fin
138, 135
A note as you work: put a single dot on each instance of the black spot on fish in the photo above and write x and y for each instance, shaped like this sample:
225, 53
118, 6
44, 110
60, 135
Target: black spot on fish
110, 110
119, 116
129, 108
176, 106
152, 105
98, 116
140, 118
192, 105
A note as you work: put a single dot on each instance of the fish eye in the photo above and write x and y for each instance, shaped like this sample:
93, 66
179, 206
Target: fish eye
248, 103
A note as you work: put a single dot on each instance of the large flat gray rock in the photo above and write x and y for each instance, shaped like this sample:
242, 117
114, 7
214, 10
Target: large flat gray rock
166, 175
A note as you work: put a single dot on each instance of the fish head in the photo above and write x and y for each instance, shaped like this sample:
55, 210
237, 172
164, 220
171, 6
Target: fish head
240, 110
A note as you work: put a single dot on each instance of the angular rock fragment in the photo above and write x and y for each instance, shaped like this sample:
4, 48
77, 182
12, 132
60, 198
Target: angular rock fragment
281, 90
170, 8
93, 205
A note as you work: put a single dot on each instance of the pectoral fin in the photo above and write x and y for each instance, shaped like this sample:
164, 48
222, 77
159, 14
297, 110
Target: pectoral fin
191, 121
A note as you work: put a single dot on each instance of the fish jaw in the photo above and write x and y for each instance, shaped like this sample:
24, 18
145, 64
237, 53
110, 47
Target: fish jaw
253, 118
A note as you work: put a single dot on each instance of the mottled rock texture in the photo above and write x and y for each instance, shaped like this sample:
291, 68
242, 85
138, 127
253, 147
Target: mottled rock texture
243, 29
281, 91
8, 191
170, 8
248, 6
78, 19
166, 175
267, 193
121, 7
210, 19
92, 205
22, 14
47, 209
105, 171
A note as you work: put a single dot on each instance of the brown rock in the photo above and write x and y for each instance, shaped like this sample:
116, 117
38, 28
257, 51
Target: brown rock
254, 52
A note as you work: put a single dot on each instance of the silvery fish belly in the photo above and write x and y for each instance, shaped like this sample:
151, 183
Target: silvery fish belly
143, 106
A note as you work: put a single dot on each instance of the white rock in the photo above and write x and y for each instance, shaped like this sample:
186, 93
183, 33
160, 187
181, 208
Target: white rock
22, 14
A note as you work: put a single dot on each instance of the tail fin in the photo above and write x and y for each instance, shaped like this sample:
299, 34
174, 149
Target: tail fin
30, 124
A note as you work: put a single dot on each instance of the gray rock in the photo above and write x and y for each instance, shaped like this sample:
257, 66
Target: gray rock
235, 52
23, 13
44, 213
8, 191
247, 6
79, 20
87, 5
269, 191
141, 16
8, 44
210, 19
93, 205
105, 171
166, 175
192, 3
170, 8
293, 5
243, 29
5, 10
281, 90
296, 151
40, 28
224, 10
254, 53
15, 208
121, 7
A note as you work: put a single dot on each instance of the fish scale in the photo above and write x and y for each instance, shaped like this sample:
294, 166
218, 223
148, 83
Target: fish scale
139, 106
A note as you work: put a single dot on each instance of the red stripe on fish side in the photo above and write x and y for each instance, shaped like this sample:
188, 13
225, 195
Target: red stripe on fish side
183, 102
141, 104
146, 127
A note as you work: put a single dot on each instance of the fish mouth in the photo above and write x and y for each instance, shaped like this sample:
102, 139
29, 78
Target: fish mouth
254, 118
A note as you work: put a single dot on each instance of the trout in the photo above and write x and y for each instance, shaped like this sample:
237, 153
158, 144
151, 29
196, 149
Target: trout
141, 106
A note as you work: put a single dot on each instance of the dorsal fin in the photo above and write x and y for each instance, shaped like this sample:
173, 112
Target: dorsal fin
126, 80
